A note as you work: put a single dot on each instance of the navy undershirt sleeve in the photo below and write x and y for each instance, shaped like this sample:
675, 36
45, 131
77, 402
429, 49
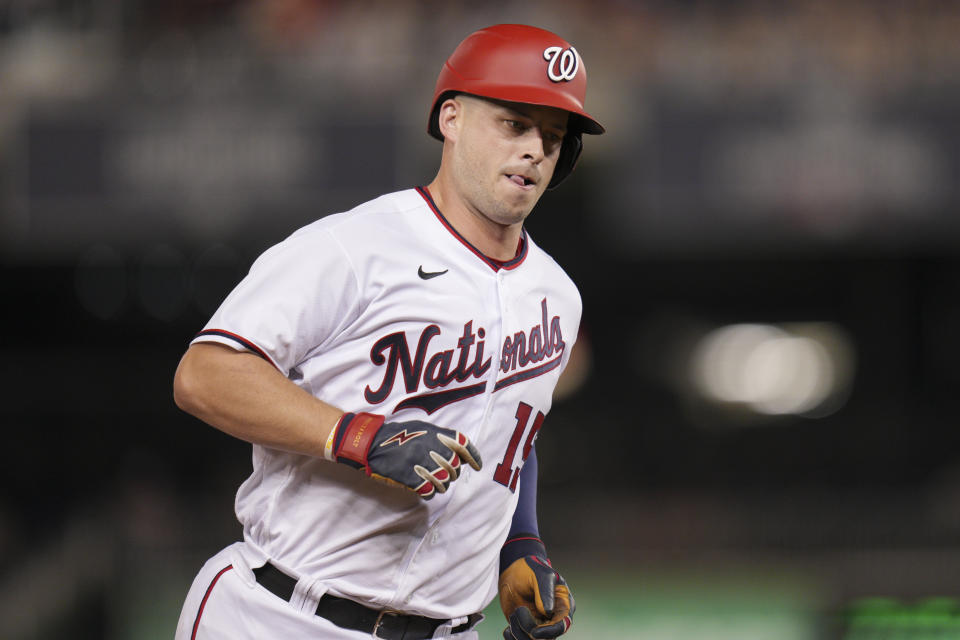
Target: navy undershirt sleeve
525, 517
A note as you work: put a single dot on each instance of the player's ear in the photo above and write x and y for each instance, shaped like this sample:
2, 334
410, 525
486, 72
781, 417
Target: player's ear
451, 118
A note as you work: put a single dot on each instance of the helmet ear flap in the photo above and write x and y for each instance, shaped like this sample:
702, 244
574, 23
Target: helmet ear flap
569, 153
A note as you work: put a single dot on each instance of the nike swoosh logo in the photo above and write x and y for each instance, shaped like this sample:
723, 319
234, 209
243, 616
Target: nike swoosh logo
426, 275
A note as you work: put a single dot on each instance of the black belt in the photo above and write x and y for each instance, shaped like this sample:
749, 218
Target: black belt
390, 625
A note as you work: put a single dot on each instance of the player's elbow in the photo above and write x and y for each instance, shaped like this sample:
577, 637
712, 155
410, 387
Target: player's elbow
188, 385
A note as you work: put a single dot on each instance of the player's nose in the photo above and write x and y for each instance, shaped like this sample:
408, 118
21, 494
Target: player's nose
534, 146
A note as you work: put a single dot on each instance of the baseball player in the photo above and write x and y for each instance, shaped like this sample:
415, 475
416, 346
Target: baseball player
392, 367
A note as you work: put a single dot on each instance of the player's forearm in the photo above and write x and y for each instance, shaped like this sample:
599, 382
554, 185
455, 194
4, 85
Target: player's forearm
246, 397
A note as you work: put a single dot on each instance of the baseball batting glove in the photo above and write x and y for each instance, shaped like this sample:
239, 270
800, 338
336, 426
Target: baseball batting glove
535, 598
418, 456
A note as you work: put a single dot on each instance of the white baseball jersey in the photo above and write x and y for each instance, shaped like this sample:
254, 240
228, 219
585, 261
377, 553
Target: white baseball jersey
387, 309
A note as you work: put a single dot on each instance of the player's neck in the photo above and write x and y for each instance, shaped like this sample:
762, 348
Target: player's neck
494, 240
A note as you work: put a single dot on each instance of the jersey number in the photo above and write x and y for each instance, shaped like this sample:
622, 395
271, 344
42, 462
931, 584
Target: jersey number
506, 474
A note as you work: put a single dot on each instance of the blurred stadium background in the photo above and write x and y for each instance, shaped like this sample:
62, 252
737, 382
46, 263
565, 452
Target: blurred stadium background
755, 440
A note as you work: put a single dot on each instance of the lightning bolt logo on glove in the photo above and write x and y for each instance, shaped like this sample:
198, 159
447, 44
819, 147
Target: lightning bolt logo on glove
427, 465
403, 437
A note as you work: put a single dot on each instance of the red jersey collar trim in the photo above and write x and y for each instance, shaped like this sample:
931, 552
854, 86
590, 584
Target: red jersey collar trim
513, 263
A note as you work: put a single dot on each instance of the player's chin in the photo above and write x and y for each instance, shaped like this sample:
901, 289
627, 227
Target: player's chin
516, 205
513, 216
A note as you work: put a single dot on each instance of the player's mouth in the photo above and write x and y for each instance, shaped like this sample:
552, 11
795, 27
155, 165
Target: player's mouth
521, 180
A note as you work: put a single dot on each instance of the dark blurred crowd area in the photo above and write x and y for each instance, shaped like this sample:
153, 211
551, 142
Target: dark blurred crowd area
765, 162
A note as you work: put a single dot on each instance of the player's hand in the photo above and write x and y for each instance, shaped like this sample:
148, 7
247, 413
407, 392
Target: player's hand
418, 456
535, 598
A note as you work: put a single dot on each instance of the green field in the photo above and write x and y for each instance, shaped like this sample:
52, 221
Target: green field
683, 607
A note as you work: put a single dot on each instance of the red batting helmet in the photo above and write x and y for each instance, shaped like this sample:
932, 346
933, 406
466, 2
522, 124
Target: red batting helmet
518, 63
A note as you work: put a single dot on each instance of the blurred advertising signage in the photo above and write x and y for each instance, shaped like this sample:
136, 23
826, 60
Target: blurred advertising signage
710, 172
202, 170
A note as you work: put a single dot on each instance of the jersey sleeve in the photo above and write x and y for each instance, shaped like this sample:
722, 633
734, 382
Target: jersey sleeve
294, 299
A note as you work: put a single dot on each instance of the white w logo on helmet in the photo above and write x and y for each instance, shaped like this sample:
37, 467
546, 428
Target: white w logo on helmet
563, 63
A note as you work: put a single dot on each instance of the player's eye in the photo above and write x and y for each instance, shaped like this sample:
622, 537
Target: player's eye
552, 137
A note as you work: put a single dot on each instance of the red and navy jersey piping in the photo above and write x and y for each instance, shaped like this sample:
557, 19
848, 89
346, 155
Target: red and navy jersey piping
246, 344
206, 596
496, 265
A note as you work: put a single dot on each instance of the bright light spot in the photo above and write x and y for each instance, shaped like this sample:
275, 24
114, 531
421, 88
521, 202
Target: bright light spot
719, 361
772, 370
789, 375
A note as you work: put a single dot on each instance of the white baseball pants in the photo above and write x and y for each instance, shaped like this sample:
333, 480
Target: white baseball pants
225, 602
